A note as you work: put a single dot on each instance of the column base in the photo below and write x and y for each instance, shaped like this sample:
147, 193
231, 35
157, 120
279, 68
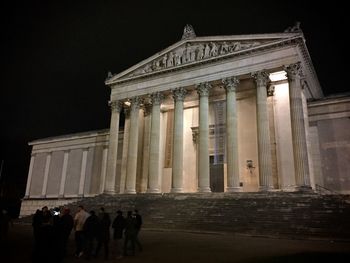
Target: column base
153, 191
204, 190
234, 189
177, 190
109, 192
266, 188
130, 191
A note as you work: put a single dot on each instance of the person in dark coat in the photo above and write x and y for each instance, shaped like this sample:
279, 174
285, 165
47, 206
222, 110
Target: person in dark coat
138, 218
67, 223
130, 234
103, 235
90, 228
118, 228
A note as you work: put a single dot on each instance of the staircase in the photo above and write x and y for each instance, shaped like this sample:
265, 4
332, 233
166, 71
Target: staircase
278, 214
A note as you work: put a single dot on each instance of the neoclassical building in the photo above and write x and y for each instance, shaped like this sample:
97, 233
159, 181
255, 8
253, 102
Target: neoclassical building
241, 113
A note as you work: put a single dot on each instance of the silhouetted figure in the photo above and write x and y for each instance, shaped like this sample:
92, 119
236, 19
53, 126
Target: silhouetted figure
103, 235
91, 229
5, 220
63, 225
118, 228
79, 220
45, 243
130, 234
138, 218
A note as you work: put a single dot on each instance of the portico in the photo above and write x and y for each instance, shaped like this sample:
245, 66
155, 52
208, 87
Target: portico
215, 90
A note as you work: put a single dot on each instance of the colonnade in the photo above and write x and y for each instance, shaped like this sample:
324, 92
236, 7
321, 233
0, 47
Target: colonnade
264, 146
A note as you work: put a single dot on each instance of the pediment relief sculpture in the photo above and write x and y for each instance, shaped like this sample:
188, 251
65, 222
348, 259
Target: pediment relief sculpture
193, 52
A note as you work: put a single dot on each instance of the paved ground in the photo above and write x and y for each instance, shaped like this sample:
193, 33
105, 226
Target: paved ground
169, 247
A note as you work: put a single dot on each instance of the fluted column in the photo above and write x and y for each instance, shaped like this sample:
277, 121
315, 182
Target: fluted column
125, 149
177, 169
230, 84
116, 106
30, 174
264, 145
301, 166
153, 174
203, 145
146, 144
131, 164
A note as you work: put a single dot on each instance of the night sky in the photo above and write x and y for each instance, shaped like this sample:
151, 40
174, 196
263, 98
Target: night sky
55, 57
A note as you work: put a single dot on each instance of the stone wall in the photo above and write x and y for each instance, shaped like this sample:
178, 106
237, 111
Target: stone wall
330, 133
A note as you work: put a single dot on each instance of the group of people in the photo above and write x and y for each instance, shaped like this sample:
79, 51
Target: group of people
92, 232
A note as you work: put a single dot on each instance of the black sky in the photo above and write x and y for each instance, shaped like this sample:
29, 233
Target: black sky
55, 56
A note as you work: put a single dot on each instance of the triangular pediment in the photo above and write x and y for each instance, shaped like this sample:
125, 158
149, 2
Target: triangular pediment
198, 50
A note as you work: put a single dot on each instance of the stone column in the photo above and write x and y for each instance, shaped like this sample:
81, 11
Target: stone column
153, 171
203, 146
116, 106
131, 164
83, 172
230, 84
46, 174
125, 149
30, 174
301, 166
64, 173
177, 169
264, 145
146, 144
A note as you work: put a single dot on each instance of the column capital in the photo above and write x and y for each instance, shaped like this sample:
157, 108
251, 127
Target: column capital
294, 70
156, 98
203, 89
135, 103
230, 84
115, 105
179, 94
146, 109
261, 78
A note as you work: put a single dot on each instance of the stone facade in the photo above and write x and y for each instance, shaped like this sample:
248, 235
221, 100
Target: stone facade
207, 114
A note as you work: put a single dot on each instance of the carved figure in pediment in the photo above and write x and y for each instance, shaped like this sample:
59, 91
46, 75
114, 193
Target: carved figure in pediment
237, 46
192, 54
224, 48
170, 61
183, 56
164, 61
147, 68
157, 65
206, 51
213, 50
177, 59
200, 52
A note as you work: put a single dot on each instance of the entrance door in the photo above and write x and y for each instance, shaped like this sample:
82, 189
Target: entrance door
216, 174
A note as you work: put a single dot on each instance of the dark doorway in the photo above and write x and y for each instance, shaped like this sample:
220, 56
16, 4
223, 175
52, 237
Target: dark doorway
217, 173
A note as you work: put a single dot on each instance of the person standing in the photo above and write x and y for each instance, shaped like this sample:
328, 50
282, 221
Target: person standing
130, 234
138, 218
79, 220
103, 235
118, 228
